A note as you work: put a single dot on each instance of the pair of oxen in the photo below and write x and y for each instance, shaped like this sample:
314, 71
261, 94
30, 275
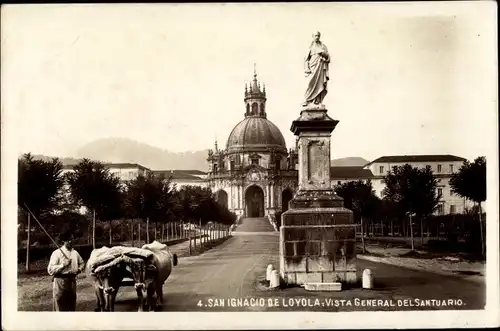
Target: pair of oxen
148, 272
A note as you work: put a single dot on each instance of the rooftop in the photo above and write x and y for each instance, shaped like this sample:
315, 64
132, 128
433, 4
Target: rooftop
114, 165
417, 158
349, 172
177, 174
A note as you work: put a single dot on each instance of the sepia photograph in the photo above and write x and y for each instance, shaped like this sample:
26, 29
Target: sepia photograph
248, 165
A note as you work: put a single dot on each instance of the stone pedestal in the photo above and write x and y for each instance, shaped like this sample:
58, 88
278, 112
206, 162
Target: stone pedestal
317, 235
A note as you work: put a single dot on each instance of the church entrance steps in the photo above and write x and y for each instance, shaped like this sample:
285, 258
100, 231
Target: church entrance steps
251, 224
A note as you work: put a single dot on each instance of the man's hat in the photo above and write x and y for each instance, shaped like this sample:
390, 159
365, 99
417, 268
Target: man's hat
66, 235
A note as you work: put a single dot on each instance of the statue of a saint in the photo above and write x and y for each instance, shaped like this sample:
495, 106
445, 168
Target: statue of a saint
316, 69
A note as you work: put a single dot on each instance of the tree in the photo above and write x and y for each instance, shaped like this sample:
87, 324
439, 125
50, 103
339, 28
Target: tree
39, 189
361, 199
93, 186
150, 197
112, 207
470, 183
413, 191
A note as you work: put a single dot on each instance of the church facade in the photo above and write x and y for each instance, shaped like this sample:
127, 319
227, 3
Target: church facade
254, 175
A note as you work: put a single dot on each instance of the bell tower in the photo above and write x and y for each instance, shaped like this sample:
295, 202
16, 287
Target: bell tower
255, 98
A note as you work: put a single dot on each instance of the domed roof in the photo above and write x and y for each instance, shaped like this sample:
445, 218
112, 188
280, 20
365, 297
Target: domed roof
255, 133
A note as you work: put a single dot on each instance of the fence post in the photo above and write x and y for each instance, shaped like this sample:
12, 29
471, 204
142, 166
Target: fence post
189, 237
139, 234
201, 235
28, 244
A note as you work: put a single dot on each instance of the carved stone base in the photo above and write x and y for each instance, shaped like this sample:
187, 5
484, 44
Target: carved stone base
317, 240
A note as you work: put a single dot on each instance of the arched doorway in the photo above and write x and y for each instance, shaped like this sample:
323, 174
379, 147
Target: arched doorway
221, 197
254, 201
286, 196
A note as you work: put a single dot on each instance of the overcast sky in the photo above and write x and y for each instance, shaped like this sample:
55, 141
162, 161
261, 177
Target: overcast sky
404, 78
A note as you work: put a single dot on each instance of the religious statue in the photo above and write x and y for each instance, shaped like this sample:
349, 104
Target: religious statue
316, 69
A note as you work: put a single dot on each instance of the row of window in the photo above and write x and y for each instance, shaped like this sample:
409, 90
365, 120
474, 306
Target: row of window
440, 209
439, 168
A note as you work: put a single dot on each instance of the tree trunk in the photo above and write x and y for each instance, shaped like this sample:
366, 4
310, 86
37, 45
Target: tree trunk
194, 241
162, 231
392, 227
93, 229
28, 243
156, 228
422, 231
110, 234
147, 230
132, 232
200, 232
411, 234
362, 236
483, 246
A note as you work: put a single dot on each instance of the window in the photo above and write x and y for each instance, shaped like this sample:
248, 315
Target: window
278, 164
255, 110
452, 209
439, 168
451, 168
440, 191
255, 161
232, 164
381, 169
440, 210
338, 182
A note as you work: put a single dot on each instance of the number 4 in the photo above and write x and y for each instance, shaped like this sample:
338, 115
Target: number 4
199, 304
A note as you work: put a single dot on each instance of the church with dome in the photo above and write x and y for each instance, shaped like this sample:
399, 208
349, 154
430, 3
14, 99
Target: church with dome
255, 174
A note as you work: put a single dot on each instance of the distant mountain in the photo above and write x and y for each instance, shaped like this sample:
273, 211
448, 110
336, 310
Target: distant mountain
130, 151
64, 160
354, 161
123, 150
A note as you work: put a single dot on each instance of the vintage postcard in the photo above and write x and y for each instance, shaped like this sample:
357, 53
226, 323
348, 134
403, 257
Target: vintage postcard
246, 165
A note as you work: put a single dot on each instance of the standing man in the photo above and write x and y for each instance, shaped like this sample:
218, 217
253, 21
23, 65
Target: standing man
65, 263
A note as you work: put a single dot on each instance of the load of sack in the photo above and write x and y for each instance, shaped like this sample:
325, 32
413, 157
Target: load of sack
107, 257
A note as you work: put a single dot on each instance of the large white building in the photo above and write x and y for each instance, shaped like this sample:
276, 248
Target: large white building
443, 167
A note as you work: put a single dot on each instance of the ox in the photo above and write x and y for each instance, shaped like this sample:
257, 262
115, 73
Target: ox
106, 282
150, 274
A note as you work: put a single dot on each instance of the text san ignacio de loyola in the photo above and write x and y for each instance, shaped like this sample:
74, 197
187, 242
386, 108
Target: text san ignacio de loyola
327, 302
